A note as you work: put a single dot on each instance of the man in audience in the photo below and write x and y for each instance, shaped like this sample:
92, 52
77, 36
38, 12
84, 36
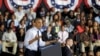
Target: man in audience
63, 35
31, 14
67, 49
20, 13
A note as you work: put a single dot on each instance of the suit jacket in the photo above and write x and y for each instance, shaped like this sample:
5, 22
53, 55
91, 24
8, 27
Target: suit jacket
45, 36
66, 51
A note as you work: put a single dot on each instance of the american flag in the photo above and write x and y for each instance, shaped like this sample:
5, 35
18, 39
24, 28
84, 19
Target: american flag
59, 4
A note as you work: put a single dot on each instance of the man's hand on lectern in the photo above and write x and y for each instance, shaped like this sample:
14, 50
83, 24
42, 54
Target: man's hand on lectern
52, 41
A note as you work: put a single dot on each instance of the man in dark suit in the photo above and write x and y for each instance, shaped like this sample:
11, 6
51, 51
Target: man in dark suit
67, 50
47, 35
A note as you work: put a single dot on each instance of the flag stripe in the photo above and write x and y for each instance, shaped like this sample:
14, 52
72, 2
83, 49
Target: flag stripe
11, 5
0, 3
72, 5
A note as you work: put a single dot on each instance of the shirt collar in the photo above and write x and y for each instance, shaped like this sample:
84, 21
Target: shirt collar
68, 46
36, 28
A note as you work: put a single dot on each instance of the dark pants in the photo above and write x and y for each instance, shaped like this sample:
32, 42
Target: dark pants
30, 53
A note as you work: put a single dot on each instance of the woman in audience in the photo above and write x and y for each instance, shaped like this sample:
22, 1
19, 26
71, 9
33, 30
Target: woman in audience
20, 36
22, 24
11, 25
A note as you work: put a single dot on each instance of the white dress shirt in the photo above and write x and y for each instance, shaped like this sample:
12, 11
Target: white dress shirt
31, 33
31, 15
9, 36
19, 15
63, 35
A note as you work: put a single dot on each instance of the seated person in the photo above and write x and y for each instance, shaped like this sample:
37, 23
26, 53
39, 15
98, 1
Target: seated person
86, 41
63, 35
9, 40
48, 35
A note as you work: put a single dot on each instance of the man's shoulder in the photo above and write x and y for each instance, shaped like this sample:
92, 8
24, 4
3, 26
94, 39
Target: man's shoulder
31, 30
97, 17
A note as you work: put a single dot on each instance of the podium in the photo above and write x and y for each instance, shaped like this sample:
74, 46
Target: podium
51, 50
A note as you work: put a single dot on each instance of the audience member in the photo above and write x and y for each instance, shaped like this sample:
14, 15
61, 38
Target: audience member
9, 39
62, 35
19, 13
20, 37
67, 49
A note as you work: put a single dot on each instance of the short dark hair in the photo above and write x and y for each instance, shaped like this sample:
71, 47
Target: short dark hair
19, 6
69, 38
2, 24
37, 19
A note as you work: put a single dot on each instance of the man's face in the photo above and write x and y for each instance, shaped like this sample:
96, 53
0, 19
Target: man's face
65, 9
20, 8
2, 27
62, 28
71, 42
39, 23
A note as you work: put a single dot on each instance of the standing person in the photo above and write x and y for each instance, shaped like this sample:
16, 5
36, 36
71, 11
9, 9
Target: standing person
20, 13
67, 49
31, 14
20, 37
33, 39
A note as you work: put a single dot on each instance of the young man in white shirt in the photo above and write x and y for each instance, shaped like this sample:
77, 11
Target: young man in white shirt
67, 51
63, 35
33, 39
31, 14
20, 13
9, 39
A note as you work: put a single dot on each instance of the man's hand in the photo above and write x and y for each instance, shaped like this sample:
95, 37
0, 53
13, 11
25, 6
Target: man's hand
37, 37
52, 41
34, 39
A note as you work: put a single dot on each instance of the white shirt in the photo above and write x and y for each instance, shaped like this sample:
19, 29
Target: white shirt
31, 33
69, 28
97, 19
19, 15
20, 26
31, 15
63, 36
9, 36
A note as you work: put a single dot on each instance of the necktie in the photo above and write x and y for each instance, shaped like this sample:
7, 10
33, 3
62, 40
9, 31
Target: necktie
38, 41
38, 46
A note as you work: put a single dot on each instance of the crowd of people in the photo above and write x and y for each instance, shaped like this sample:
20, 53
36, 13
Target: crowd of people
18, 30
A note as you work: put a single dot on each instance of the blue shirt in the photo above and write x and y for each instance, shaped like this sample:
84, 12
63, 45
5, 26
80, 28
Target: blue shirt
97, 19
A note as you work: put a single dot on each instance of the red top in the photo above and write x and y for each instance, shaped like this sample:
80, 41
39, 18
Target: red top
80, 29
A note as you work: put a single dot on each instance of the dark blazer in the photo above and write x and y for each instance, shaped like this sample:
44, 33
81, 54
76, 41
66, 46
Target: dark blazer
45, 36
66, 51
